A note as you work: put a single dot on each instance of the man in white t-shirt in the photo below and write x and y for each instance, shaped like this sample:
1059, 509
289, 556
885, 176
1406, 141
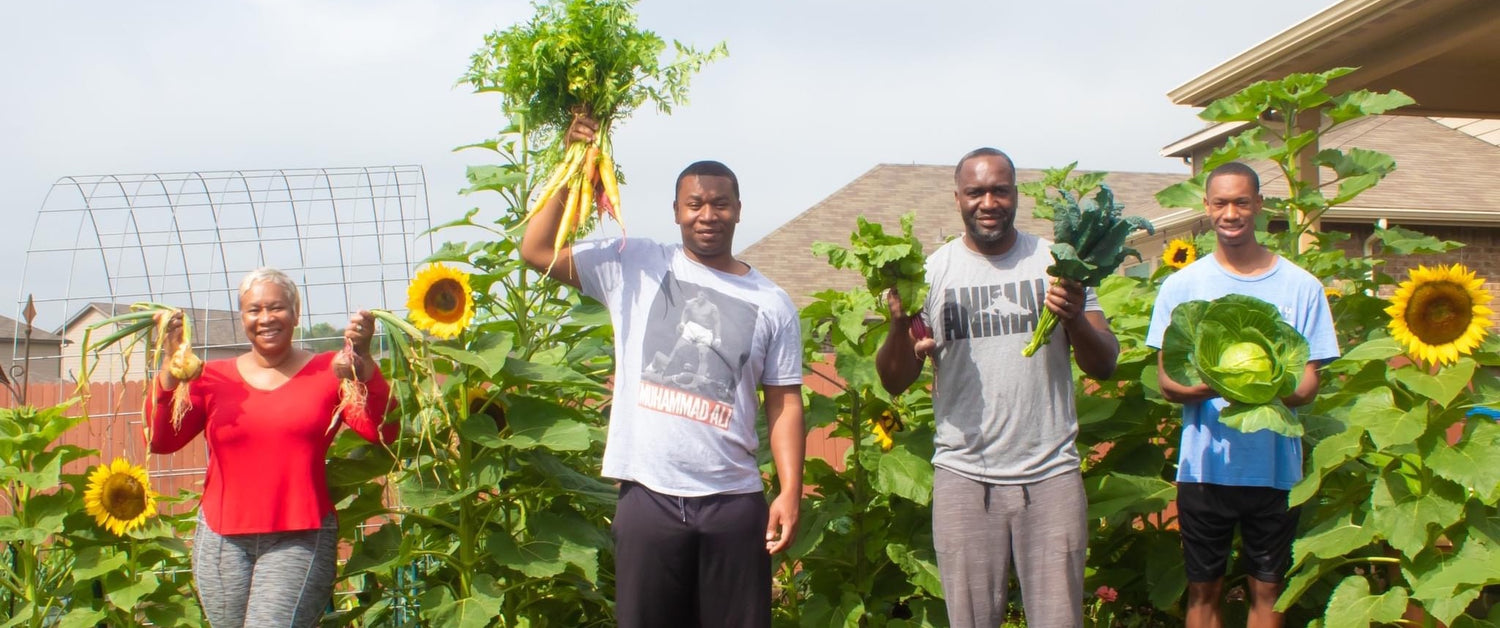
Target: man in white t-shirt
699, 335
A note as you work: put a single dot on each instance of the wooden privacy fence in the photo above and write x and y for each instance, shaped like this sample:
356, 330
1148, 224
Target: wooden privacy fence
114, 429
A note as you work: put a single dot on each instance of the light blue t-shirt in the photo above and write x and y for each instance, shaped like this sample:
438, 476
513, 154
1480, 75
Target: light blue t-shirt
1212, 452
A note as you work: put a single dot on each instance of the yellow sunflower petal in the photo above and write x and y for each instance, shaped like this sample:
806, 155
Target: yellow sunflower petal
440, 300
1439, 313
119, 496
1179, 253
882, 437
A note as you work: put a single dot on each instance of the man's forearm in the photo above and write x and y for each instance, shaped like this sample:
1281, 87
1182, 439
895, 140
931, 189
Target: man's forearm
1095, 348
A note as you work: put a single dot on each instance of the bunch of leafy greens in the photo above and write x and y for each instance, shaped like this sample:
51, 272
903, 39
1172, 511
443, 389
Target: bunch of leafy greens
1242, 349
582, 56
885, 261
1088, 245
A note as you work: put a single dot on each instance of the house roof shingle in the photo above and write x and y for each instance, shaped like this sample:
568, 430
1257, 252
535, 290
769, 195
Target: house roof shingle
12, 329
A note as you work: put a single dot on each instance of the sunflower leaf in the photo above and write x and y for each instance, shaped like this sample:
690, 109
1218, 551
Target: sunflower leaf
1441, 388
537, 422
902, 473
920, 566
124, 592
92, 562
1352, 605
1409, 520
1473, 462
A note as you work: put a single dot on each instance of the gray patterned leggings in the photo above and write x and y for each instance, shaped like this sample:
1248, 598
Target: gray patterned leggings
266, 580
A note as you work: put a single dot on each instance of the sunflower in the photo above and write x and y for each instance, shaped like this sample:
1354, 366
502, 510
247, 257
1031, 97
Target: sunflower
1440, 313
482, 401
439, 300
1331, 293
1179, 253
884, 426
119, 496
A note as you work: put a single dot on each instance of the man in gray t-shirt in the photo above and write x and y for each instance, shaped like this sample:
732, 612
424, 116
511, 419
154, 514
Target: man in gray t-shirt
1007, 485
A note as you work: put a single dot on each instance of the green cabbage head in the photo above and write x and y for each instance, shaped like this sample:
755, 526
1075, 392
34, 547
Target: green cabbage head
1242, 349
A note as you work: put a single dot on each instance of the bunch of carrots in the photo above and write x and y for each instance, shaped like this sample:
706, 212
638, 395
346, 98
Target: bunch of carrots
577, 57
587, 173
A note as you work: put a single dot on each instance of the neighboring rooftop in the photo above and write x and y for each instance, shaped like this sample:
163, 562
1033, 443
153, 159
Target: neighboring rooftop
211, 328
1443, 53
12, 329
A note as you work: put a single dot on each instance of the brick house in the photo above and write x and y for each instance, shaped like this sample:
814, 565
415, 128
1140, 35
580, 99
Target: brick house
1445, 54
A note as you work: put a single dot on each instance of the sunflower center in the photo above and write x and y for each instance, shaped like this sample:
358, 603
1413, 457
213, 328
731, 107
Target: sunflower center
1439, 312
123, 497
444, 301
1180, 256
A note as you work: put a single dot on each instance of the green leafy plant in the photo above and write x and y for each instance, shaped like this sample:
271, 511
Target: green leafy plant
864, 554
58, 567
1399, 495
886, 261
1242, 349
1088, 245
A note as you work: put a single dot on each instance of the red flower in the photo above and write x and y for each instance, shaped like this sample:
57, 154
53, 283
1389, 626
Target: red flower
1107, 594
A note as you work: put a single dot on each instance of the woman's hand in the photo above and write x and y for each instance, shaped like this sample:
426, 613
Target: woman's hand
357, 338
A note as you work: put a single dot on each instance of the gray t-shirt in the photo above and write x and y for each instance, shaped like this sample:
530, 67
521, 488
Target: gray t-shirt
692, 345
1001, 418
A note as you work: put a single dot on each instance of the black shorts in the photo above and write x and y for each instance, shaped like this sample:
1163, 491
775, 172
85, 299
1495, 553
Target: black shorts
1207, 515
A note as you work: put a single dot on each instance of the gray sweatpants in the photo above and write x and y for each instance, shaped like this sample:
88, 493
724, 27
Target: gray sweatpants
979, 528
271, 580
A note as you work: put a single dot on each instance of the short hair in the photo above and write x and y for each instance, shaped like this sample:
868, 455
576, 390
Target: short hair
982, 152
266, 274
708, 168
1234, 168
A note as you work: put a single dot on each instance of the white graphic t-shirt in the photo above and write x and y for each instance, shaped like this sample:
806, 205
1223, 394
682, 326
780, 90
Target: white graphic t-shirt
692, 345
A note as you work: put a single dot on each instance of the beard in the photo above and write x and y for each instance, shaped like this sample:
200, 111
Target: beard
986, 236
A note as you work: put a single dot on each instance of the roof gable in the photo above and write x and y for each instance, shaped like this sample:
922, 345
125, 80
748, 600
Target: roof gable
12, 329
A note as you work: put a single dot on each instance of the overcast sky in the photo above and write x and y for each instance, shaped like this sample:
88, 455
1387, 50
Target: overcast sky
813, 93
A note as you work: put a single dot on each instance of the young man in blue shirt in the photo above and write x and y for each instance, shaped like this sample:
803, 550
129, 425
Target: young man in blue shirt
1226, 477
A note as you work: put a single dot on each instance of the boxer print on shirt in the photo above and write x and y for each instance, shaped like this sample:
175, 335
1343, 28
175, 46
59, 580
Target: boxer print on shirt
696, 345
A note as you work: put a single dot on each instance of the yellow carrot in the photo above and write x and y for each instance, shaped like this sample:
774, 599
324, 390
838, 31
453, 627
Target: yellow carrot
571, 206
611, 184
590, 176
560, 177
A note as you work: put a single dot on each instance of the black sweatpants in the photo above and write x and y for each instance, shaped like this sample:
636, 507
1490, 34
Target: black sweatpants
691, 561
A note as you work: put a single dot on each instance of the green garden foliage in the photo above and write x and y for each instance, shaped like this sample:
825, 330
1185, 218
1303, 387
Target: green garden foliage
57, 567
887, 262
489, 510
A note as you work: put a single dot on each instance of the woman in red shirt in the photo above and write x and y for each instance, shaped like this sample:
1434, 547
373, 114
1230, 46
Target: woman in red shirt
264, 553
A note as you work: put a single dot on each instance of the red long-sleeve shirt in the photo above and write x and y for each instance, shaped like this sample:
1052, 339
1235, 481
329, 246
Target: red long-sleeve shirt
267, 449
